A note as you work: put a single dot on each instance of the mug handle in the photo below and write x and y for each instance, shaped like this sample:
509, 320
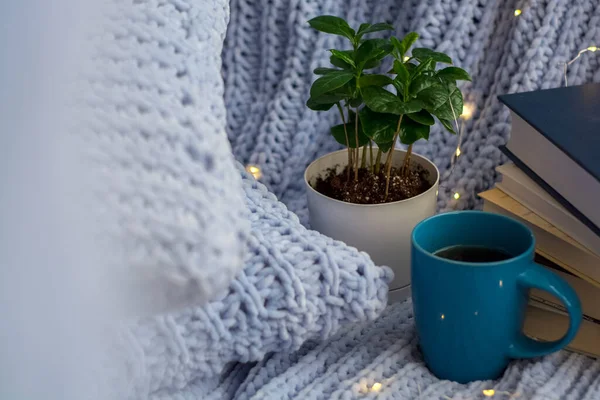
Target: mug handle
540, 278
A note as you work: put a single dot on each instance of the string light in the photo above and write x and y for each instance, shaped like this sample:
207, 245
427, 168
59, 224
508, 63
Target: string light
592, 49
489, 392
467, 111
376, 387
255, 171
518, 12
406, 58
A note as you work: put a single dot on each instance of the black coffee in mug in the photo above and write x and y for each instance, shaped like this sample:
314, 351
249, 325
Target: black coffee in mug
474, 254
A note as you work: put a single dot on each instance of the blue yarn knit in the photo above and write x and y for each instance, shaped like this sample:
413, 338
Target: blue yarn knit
270, 52
297, 285
299, 320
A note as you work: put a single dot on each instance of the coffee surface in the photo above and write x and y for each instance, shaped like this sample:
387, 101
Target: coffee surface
474, 254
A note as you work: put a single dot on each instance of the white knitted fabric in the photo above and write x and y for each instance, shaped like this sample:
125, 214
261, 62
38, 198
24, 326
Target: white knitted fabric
296, 285
385, 352
270, 53
153, 125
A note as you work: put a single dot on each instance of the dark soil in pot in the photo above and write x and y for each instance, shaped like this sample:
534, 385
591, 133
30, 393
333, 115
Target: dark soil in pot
370, 187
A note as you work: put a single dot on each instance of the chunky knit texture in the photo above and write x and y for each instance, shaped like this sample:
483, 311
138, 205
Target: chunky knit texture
384, 353
270, 52
176, 203
154, 125
296, 285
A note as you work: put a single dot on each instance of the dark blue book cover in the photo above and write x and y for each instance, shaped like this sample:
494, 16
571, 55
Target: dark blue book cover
569, 118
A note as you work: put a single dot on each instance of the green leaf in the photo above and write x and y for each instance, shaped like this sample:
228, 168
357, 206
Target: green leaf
402, 73
407, 42
348, 90
329, 82
423, 66
413, 106
379, 127
375, 28
454, 74
433, 97
397, 45
398, 85
411, 131
332, 24
372, 49
420, 83
361, 29
430, 66
410, 67
448, 125
338, 62
318, 105
340, 135
444, 111
324, 71
421, 54
374, 80
385, 147
382, 101
344, 56
372, 63
329, 98
422, 117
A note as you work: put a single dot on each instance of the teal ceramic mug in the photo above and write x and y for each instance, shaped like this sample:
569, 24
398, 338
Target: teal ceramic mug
469, 315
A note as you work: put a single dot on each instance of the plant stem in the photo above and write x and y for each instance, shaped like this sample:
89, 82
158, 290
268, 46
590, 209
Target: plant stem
347, 139
357, 148
378, 161
388, 162
406, 166
363, 163
371, 156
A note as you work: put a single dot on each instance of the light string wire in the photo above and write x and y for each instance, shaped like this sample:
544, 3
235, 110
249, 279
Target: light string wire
592, 49
460, 129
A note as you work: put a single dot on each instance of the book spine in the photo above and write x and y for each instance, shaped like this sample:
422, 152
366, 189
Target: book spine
564, 202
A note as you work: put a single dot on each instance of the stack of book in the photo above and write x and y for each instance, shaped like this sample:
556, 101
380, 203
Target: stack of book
552, 184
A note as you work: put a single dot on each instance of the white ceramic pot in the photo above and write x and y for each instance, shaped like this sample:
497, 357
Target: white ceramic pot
381, 230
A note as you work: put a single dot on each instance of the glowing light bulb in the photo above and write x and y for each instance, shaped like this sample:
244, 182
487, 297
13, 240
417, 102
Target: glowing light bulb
254, 170
457, 151
406, 58
456, 196
467, 111
443, 316
518, 12
592, 48
376, 387
488, 392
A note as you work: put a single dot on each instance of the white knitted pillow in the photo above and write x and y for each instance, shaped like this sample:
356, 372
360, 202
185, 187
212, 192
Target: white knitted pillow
154, 125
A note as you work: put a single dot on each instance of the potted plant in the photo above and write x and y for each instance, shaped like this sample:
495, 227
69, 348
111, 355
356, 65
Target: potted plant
371, 195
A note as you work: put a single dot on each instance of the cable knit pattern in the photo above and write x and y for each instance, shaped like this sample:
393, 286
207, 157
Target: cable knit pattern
385, 352
270, 52
185, 215
154, 124
296, 285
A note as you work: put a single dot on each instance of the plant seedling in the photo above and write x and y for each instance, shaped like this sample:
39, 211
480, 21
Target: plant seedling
420, 94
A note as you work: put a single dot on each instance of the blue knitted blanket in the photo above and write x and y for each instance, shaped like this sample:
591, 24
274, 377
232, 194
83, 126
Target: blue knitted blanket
232, 296
270, 53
